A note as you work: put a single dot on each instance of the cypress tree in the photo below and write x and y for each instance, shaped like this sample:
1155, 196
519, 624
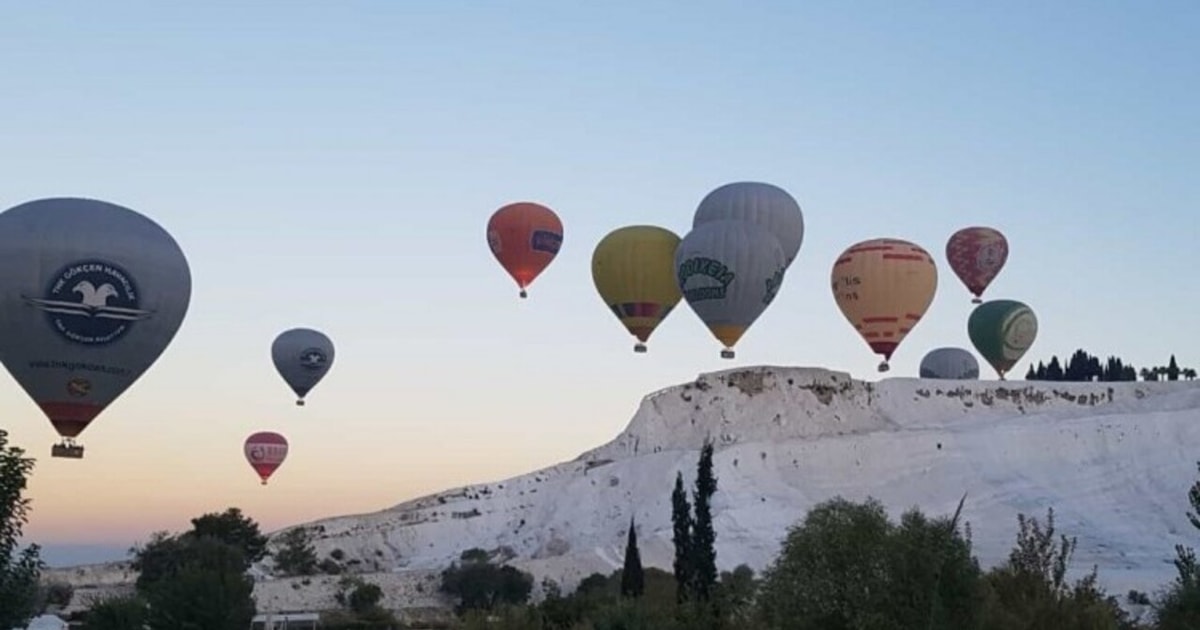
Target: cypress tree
1172, 370
704, 558
681, 518
633, 577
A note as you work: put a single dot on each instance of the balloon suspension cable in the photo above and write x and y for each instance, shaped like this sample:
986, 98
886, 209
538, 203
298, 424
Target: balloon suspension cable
727, 353
883, 367
639, 347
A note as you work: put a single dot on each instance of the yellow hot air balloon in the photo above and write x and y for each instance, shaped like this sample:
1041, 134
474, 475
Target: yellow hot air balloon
884, 286
633, 268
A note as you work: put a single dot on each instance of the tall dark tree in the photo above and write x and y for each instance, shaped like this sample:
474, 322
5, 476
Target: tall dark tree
1054, 371
19, 572
681, 518
296, 555
206, 587
1031, 375
633, 577
233, 527
704, 537
1172, 370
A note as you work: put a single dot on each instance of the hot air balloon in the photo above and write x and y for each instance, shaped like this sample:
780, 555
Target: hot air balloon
525, 237
302, 356
884, 286
977, 254
633, 269
265, 451
728, 271
91, 293
766, 205
1002, 331
950, 363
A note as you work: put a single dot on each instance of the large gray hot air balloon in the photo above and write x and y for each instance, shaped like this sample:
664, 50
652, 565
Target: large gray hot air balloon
302, 356
729, 272
950, 363
763, 204
91, 293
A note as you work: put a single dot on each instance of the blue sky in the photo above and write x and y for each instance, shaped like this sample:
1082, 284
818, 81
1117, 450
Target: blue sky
334, 164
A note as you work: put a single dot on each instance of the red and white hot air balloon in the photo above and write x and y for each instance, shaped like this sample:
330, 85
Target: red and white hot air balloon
265, 451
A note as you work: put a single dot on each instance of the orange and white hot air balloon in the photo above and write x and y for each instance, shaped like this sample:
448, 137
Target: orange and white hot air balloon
524, 237
265, 451
884, 286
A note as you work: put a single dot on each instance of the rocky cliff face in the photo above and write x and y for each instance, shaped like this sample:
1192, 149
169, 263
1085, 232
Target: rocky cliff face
1113, 459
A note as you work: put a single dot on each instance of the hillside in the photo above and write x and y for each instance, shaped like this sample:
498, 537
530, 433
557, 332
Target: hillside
1113, 459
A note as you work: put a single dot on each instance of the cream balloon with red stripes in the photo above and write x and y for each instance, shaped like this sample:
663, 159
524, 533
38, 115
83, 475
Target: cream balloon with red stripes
884, 286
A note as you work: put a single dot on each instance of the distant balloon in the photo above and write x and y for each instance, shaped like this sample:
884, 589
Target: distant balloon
91, 294
766, 205
884, 286
950, 363
729, 272
302, 356
977, 254
1002, 331
525, 237
265, 451
633, 269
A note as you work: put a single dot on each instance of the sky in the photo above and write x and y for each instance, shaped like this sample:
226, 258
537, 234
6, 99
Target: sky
334, 165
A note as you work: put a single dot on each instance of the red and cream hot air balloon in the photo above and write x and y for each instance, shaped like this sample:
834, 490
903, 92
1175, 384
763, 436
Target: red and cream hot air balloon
265, 451
976, 255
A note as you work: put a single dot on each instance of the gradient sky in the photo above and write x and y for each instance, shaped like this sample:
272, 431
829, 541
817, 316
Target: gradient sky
333, 165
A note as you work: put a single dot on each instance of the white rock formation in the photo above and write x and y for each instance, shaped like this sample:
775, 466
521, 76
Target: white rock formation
1114, 460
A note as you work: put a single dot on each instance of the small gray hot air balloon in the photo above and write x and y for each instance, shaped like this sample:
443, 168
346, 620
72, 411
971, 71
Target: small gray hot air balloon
729, 272
950, 363
766, 205
91, 293
302, 356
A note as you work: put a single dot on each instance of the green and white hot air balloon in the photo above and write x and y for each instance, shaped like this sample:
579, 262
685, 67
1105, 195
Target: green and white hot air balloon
1002, 331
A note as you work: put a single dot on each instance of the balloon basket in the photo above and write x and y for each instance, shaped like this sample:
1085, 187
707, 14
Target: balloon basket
264, 482
977, 301
883, 367
727, 353
640, 348
67, 450
300, 402
524, 294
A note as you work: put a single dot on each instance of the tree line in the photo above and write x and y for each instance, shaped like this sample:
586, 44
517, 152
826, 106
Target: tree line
1082, 366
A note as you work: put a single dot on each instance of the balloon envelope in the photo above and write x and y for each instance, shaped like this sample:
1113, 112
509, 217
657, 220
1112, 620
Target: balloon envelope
91, 294
729, 272
524, 237
883, 287
302, 356
633, 269
265, 451
766, 205
1002, 331
950, 363
976, 255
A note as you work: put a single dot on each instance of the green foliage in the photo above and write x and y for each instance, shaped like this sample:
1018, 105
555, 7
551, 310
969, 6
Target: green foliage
704, 537
478, 584
232, 527
681, 519
1031, 590
206, 587
296, 555
19, 571
633, 577
848, 566
126, 612
1178, 607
